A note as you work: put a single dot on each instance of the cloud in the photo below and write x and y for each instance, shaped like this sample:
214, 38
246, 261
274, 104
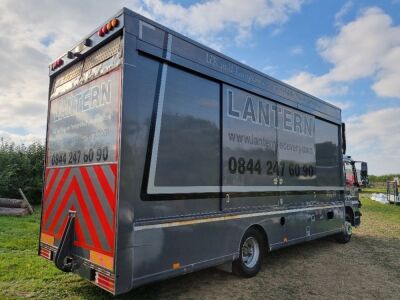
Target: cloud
235, 18
297, 50
270, 69
388, 76
374, 137
320, 86
366, 47
20, 139
343, 12
341, 104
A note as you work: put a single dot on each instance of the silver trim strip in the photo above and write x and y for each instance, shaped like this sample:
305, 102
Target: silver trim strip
151, 188
227, 189
169, 46
226, 218
185, 189
280, 188
144, 24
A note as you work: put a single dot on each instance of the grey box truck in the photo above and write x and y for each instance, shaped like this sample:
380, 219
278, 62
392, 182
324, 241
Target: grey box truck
164, 157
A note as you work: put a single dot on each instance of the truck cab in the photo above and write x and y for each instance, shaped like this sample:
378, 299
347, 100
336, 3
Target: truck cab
352, 189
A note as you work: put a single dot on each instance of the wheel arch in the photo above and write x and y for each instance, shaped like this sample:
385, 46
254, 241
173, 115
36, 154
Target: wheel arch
263, 232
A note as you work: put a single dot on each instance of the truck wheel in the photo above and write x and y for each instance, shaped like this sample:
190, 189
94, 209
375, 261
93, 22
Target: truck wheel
251, 254
345, 236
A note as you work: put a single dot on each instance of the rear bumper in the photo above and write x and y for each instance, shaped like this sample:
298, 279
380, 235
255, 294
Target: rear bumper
84, 268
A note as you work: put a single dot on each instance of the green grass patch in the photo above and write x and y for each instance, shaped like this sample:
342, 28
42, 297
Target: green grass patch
24, 274
387, 212
378, 219
374, 190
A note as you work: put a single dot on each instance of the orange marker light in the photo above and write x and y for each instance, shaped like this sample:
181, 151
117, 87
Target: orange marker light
176, 265
114, 23
108, 27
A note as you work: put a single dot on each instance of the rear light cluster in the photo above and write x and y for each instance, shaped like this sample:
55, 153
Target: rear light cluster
46, 253
58, 63
108, 27
104, 281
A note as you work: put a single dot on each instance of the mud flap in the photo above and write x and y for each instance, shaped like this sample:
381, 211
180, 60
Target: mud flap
63, 258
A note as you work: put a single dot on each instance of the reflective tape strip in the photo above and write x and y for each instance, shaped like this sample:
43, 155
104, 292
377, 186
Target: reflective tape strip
47, 239
101, 260
231, 217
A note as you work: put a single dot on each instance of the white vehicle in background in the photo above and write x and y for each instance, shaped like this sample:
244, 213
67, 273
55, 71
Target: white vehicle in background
392, 191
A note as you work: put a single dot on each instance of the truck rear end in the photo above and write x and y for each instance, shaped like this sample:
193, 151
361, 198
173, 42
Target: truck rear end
80, 202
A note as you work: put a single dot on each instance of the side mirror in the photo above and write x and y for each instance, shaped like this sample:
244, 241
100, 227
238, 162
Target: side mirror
364, 169
343, 138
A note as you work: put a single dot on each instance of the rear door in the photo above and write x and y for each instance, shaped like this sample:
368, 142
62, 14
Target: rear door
82, 156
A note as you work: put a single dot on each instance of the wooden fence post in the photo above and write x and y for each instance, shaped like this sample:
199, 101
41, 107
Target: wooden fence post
26, 200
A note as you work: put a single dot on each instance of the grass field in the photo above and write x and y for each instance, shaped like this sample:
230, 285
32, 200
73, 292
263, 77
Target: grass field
373, 190
367, 267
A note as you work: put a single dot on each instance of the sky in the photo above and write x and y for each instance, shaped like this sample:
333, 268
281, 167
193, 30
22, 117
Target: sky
344, 52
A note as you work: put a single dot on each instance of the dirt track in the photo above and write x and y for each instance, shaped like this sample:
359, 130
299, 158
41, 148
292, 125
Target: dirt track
366, 268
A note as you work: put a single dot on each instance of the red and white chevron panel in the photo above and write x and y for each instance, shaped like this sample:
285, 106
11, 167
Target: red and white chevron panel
91, 192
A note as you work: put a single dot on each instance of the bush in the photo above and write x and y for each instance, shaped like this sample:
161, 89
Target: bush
21, 167
382, 178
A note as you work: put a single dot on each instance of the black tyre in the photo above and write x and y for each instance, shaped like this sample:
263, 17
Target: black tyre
251, 254
345, 236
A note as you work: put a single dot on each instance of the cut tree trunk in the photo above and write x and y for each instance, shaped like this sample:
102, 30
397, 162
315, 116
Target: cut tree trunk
12, 203
7, 211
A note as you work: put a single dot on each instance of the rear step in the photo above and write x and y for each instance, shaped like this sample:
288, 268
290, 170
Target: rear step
63, 258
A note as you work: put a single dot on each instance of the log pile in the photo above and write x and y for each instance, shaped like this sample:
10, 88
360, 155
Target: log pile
12, 211
15, 207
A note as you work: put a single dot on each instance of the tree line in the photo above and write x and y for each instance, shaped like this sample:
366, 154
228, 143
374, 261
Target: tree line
382, 178
22, 167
